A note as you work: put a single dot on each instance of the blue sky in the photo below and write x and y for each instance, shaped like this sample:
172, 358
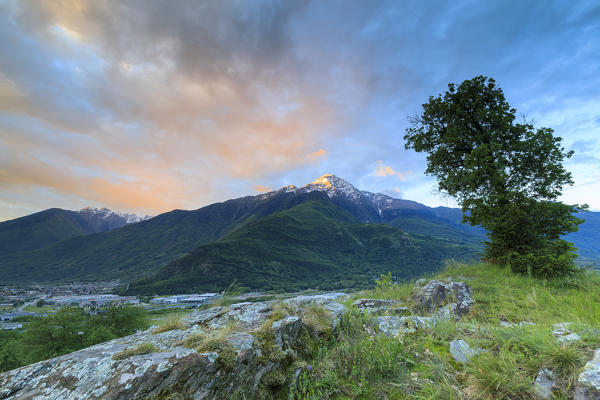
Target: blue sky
147, 106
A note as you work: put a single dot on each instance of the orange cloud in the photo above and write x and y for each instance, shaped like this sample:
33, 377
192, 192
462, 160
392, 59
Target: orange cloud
262, 188
384, 170
315, 155
167, 118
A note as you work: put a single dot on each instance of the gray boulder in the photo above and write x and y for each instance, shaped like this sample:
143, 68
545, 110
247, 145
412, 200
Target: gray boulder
506, 324
286, 330
457, 295
379, 306
544, 383
394, 326
462, 352
588, 384
571, 337
561, 329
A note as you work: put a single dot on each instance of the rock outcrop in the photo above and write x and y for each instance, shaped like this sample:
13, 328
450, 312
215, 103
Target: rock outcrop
380, 306
462, 352
222, 352
544, 383
394, 326
456, 296
588, 384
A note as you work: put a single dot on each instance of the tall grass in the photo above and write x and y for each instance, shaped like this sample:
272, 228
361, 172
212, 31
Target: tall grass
360, 364
170, 322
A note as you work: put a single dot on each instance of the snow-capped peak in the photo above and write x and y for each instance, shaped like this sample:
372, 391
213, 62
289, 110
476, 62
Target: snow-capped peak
105, 213
131, 218
333, 185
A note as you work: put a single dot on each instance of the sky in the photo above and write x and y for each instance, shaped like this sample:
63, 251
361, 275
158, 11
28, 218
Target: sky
147, 106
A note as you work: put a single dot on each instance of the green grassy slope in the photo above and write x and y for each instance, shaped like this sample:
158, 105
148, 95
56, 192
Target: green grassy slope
358, 364
40, 229
136, 250
312, 245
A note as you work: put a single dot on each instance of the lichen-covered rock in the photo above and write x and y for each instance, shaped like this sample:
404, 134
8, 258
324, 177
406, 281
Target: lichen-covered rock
506, 324
394, 326
462, 352
588, 384
380, 306
457, 295
239, 361
328, 301
571, 337
420, 282
247, 315
286, 330
544, 383
561, 329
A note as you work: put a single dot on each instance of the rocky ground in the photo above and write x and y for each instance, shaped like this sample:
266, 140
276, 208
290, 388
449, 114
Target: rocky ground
258, 350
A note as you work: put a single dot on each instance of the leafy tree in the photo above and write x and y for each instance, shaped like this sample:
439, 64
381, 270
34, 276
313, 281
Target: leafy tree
122, 320
506, 175
10, 354
56, 334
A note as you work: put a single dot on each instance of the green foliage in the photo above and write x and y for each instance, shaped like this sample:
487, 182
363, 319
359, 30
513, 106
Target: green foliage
135, 250
384, 282
311, 245
506, 175
11, 355
40, 229
143, 348
68, 330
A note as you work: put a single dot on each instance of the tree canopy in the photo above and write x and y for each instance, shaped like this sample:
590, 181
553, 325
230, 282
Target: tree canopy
506, 175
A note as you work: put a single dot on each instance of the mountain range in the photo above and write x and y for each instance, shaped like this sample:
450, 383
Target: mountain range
326, 234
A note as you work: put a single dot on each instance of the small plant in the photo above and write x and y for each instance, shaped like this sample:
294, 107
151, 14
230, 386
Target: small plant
278, 311
143, 348
384, 282
171, 322
234, 290
565, 361
497, 376
317, 319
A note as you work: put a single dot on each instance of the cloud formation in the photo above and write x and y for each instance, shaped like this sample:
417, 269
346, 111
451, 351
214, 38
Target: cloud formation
149, 105
386, 170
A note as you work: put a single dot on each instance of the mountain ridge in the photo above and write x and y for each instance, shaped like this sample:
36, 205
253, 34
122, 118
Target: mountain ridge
53, 225
135, 251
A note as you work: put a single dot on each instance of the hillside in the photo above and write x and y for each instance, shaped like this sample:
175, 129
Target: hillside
50, 226
315, 244
137, 249
58, 245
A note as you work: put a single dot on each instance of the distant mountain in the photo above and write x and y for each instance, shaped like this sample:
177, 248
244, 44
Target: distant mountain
587, 240
211, 245
314, 244
136, 250
44, 228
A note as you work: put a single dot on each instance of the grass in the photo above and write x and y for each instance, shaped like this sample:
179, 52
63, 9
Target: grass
230, 294
43, 309
170, 322
360, 364
143, 348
